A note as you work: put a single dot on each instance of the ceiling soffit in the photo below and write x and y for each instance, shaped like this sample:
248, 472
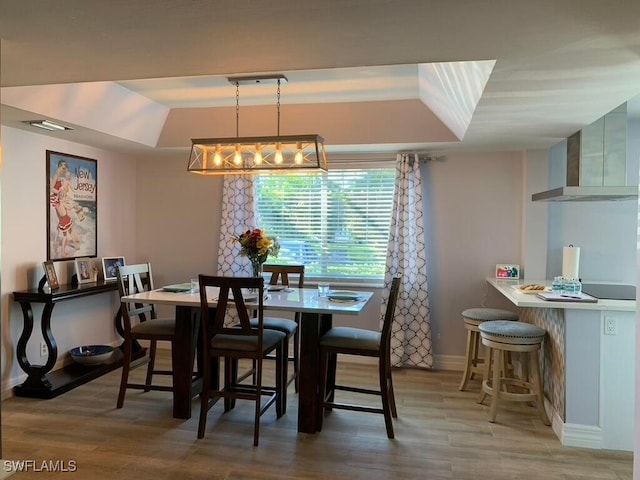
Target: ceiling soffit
390, 107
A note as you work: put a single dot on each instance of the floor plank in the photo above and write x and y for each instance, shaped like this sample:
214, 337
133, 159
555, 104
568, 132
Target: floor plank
441, 433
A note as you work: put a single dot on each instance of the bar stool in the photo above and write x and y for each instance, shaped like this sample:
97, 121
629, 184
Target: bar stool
473, 317
502, 337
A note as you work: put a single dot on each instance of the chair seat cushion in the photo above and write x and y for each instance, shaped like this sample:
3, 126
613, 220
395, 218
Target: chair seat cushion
158, 326
284, 325
348, 337
247, 343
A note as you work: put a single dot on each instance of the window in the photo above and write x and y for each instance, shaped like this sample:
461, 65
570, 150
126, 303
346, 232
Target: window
336, 224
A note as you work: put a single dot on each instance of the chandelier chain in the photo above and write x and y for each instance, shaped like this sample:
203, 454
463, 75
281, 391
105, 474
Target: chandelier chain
237, 109
278, 107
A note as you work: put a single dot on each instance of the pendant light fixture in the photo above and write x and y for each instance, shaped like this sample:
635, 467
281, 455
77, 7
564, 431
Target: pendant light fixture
246, 155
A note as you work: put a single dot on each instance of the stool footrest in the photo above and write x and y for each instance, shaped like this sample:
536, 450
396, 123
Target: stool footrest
528, 396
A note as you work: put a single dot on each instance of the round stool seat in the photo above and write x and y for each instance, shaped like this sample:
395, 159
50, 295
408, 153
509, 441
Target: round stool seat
514, 333
476, 316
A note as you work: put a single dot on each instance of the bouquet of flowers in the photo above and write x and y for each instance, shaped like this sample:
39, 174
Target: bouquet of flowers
256, 245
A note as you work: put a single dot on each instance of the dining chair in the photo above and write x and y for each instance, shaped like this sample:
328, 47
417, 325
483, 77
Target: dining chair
357, 341
239, 341
141, 323
280, 277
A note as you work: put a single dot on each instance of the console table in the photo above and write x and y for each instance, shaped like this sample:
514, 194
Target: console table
41, 382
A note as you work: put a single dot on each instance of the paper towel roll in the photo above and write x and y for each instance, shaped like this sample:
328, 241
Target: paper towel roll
570, 261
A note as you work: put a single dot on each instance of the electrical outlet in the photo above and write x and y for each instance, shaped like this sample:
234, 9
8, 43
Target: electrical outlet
44, 351
609, 326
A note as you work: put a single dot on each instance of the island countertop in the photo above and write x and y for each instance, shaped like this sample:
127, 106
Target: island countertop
509, 288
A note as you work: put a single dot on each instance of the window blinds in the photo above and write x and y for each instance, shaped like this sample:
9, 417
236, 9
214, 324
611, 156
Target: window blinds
336, 224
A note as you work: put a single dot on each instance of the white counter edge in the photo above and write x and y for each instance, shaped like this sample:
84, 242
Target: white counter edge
519, 299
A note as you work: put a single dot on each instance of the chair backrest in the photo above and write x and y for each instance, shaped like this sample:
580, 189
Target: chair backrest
282, 272
385, 342
135, 279
231, 292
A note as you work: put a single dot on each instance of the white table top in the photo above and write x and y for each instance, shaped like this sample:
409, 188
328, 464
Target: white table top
293, 299
506, 288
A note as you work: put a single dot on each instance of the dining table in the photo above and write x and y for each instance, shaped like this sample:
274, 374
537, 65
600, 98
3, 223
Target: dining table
316, 319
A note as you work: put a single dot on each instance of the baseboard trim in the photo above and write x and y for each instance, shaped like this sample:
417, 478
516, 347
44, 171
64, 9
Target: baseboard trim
574, 434
583, 436
440, 362
449, 362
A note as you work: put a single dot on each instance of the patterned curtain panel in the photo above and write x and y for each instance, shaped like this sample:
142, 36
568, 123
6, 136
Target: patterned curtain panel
238, 215
411, 331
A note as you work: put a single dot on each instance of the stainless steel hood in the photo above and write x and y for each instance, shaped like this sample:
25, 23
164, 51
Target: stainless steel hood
586, 194
596, 163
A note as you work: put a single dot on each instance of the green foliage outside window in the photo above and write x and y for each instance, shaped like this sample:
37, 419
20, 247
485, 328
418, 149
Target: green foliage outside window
337, 224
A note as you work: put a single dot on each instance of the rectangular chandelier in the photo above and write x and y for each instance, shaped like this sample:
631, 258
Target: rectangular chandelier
242, 155
245, 155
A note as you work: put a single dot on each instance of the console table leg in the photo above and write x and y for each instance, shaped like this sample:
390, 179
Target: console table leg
36, 374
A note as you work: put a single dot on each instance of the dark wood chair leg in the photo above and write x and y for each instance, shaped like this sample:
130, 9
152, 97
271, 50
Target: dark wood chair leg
150, 365
282, 358
392, 396
296, 357
330, 391
204, 396
258, 408
285, 376
126, 368
229, 378
386, 402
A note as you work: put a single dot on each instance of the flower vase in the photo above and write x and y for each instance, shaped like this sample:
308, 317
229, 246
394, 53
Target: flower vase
256, 266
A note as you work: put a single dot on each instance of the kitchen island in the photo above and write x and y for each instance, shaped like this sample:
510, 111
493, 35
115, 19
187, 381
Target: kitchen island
588, 365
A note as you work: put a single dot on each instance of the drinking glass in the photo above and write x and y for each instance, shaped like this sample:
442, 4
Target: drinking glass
323, 289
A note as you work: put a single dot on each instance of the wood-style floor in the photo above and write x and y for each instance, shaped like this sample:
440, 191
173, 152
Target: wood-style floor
441, 433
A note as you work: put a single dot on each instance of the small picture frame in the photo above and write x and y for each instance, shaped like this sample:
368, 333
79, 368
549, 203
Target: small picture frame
50, 273
83, 270
507, 271
110, 267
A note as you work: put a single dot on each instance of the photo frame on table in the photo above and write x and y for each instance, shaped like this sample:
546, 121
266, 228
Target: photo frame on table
110, 267
508, 271
83, 270
50, 274
72, 206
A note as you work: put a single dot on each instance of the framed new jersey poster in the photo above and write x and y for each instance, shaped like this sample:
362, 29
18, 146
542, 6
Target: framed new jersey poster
72, 206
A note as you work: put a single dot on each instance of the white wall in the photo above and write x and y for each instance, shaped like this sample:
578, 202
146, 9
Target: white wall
473, 221
24, 203
535, 216
178, 219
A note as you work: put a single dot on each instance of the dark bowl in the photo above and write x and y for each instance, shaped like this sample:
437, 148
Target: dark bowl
91, 354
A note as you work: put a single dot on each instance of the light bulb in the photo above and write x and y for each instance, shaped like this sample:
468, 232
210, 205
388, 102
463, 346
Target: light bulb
217, 158
278, 156
237, 157
257, 157
299, 157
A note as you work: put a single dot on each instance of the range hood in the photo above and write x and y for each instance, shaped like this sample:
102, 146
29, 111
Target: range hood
596, 163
